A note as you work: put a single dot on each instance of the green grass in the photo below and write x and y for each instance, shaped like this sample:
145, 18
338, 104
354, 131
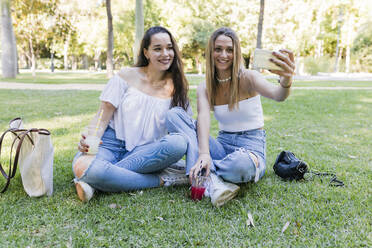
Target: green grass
333, 83
330, 130
60, 78
101, 78
73, 78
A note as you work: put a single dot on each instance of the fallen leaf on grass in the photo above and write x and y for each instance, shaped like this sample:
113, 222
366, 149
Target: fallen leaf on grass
351, 156
134, 194
113, 205
250, 220
69, 243
285, 226
297, 231
159, 218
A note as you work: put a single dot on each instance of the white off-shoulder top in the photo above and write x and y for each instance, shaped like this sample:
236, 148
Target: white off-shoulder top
139, 118
248, 116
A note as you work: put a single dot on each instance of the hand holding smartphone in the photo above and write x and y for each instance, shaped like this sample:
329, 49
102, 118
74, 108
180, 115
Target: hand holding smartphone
262, 58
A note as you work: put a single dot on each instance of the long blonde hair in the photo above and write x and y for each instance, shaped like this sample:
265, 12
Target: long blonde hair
211, 73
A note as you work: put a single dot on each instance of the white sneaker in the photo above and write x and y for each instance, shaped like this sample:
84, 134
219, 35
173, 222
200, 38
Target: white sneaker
220, 191
84, 191
179, 165
172, 176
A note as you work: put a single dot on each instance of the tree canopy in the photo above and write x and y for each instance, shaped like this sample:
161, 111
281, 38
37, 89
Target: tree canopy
77, 30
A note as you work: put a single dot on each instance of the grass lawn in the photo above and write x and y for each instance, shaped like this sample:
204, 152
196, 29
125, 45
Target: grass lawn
60, 78
101, 78
330, 130
73, 78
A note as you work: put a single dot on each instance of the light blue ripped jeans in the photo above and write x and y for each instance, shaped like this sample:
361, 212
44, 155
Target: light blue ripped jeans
229, 152
115, 169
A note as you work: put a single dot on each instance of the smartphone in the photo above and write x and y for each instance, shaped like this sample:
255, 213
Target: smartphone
261, 59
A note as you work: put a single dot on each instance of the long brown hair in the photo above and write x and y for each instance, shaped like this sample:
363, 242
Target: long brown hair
181, 85
211, 72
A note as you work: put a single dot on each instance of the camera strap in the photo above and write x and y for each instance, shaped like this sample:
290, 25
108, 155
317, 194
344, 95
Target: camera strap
334, 181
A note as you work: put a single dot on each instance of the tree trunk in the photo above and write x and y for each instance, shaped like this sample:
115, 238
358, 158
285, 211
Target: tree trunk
52, 61
97, 54
316, 38
347, 61
260, 24
338, 40
27, 58
319, 50
17, 60
198, 65
139, 28
8, 43
339, 58
348, 43
32, 56
85, 62
110, 41
74, 63
65, 52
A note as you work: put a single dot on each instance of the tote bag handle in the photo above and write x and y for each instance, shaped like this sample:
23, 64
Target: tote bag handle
20, 134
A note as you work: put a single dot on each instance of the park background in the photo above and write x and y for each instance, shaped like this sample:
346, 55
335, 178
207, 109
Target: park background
326, 36
326, 121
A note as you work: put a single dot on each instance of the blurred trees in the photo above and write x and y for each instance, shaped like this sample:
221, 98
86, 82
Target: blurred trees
38, 26
362, 48
74, 31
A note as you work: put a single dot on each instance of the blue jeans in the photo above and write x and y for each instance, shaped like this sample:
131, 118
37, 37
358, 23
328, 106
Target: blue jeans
229, 152
115, 169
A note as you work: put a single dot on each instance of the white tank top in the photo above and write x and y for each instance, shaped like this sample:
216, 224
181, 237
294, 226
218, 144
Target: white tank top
139, 118
248, 116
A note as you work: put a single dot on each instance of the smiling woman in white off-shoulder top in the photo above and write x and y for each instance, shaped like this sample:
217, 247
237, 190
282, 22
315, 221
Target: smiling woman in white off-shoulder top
136, 150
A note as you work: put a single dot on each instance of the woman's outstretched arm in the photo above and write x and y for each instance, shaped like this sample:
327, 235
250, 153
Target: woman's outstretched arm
203, 125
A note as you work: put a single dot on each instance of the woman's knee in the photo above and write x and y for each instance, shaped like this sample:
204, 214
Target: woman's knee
175, 118
176, 143
174, 114
82, 164
243, 168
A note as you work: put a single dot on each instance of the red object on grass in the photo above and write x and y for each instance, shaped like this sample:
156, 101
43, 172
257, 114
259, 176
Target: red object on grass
197, 193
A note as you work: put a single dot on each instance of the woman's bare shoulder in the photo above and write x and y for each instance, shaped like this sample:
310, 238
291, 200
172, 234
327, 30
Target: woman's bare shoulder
129, 73
245, 79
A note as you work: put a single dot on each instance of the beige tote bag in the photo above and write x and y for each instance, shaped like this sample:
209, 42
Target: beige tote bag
34, 154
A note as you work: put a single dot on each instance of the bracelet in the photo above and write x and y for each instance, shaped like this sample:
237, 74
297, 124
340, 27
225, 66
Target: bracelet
288, 86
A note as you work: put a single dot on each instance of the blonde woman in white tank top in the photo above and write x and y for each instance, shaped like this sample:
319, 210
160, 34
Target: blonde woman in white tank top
233, 93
